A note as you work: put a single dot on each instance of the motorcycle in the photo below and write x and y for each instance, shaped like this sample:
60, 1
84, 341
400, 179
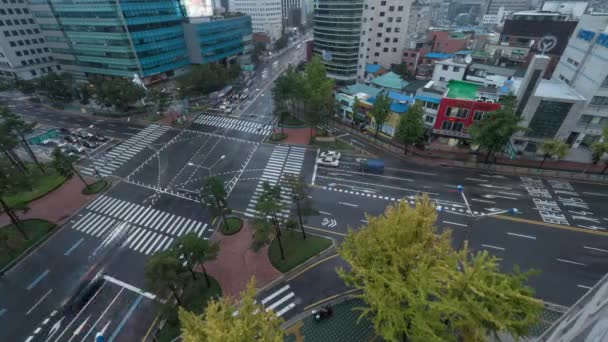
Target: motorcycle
325, 312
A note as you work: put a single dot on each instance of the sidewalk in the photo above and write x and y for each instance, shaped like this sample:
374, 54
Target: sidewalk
56, 206
296, 136
459, 158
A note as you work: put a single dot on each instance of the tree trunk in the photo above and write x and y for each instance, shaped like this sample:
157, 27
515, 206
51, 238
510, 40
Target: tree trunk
542, 162
19, 161
14, 218
487, 160
377, 131
206, 276
175, 295
31, 153
79, 175
16, 164
405, 149
300, 218
278, 233
281, 247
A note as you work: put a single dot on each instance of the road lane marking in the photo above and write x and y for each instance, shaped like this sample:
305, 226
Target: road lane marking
38, 302
552, 225
324, 212
493, 247
74, 246
456, 223
380, 185
324, 230
126, 318
595, 194
281, 301
129, 287
312, 266
584, 287
477, 179
596, 249
482, 201
274, 294
349, 204
364, 221
100, 316
38, 279
523, 236
329, 298
571, 262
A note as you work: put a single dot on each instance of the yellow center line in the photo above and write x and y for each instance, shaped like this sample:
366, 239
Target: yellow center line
552, 225
313, 265
329, 298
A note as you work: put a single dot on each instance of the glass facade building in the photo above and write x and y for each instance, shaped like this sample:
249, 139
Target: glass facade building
337, 30
218, 38
114, 37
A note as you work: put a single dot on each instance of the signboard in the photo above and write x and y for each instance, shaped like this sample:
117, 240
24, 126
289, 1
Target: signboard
451, 133
198, 8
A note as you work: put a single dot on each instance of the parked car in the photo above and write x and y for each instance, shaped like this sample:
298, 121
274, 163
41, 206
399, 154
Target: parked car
71, 139
89, 144
76, 148
100, 137
328, 161
331, 154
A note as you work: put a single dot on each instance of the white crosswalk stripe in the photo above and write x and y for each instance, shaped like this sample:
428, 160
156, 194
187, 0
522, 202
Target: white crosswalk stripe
279, 301
151, 229
234, 124
283, 160
120, 154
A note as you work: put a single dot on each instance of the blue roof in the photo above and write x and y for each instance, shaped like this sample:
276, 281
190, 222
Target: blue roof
464, 52
373, 68
398, 97
438, 55
399, 107
428, 99
396, 106
360, 88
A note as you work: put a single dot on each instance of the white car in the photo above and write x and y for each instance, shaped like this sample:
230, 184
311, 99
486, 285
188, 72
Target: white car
328, 161
331, 154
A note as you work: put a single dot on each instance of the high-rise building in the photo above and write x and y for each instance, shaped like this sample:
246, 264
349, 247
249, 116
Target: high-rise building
114, 37
294, 12
492, 6
337, 33
583, 67
266, 15
24, 53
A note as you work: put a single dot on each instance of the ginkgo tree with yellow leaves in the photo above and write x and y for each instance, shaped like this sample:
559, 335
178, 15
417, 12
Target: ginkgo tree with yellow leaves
231, 320
418, 288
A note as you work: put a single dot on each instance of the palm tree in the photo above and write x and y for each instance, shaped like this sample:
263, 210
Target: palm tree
553, 147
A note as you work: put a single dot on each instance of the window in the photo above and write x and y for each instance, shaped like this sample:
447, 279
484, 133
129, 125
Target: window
599, 101
398, 19
385, 50
456, 112
378, 44
387, 40
390, 19
13, 44
572, 61
444, 67
605, 83
382, 14
452, 126
442, 79
379, 34
400, 8
376, 54
382, 3
389, 29
478, 115
30, 20
429, 119
456, 69
391, 8
397, 29
18, 53
394, 49
396, 40
33, 72
380, 24
7, 34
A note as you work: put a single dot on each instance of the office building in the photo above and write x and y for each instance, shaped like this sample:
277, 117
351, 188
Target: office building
583, 67
24, 53
337, 33
266, 15
493, 6
294, 13
114, 38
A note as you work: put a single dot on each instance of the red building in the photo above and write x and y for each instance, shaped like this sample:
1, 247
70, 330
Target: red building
462, 105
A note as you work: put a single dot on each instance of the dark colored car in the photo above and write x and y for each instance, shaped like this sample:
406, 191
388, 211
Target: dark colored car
100, 137
64, 130
71, 138
89, 144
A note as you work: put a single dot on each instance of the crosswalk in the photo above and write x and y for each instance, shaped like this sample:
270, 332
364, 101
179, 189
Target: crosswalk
246, 126
284, 160
280, 301
150, 230
109, 162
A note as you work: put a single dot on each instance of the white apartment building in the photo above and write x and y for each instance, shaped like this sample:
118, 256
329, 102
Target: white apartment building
583, 67
24, 54
266, 15
383, 33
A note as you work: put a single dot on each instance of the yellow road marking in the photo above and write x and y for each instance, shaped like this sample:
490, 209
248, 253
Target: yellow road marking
149, 329
552, 225
313, 265
330, 298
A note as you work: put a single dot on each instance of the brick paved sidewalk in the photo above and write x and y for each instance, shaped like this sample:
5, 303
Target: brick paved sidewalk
237, 263
57, 206
296, 136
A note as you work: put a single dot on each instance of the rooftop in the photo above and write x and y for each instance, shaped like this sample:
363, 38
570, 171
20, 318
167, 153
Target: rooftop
494, 70
359, 88
438, 55
555, 89
390, 80
372, 68
462, 90
451, 61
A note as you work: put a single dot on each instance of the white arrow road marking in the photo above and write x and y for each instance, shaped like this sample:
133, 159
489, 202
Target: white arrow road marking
105, 327
495, 186
497, 196
81, 327
55, 327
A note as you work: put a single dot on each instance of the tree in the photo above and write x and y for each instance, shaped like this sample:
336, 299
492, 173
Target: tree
400, 69
355, 107
410, 128
15, 124
299, 192
599, 148
381, 111
196, 251
417, 287
85, 94
203, 79
159, 100
58, 87
64, 165
269, 206
234, 70
496, 128
553, 147
280, 43
317, 93
120, 93
11, 181
229, 320
8, 143
213, 196
259, 49
164, 272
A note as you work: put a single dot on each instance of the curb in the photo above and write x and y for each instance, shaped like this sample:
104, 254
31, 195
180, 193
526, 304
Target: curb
58, 227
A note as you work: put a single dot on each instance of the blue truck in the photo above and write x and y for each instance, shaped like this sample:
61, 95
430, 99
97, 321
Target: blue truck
371, 165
